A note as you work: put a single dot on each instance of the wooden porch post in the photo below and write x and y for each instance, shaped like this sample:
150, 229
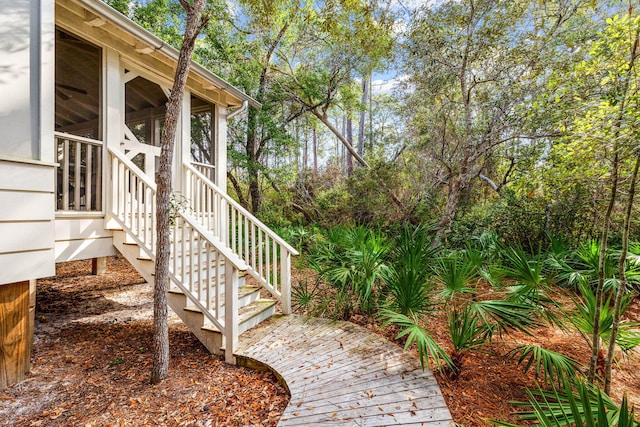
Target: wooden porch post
17, 305
99, 266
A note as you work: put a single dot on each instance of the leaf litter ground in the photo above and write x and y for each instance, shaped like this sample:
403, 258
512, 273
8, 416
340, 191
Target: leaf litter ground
91, 362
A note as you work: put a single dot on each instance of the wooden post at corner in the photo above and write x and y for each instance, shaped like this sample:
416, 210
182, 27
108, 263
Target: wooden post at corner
16, 332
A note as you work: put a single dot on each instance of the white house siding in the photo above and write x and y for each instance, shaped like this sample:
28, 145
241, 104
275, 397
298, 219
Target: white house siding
26, 221
82, 238
26, 140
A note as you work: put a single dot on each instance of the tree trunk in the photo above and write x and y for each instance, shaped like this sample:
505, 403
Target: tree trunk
253, 146
623, 278
194, 24
443, 227
305, 155
605, 228
371, 114
340, 136
252, 155
350, 139
315, 151
595, 339
365, 96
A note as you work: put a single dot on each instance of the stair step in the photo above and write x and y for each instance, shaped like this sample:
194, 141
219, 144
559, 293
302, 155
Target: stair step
251, 309
246, 295
251, 315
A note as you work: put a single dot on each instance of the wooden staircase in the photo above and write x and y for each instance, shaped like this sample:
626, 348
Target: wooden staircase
207, 288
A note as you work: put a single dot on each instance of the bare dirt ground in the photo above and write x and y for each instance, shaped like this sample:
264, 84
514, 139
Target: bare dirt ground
91, 363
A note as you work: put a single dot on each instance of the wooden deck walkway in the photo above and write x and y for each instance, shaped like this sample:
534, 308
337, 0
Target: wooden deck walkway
339, 373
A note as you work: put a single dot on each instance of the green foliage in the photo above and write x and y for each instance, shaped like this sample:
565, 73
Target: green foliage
454, 275
521, 268
302, 295
586, 406
466, 330
582, 318
500, 316
352, 260
552, 366
409, 328
407, 277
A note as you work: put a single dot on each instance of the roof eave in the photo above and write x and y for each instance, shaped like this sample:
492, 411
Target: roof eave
103, 9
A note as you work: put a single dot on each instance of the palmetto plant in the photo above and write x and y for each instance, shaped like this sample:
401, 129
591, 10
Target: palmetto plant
526, 271
407, 277
302, 295
472, 319
529, 284
467, 332
454, 275
575, 404
582, 318
352, 260
411, 328
582, 267
550, 365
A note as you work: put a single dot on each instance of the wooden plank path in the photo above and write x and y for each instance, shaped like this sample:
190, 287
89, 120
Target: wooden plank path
339, 373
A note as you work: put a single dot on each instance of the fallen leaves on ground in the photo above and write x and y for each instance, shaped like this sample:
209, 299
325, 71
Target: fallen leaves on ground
92, 359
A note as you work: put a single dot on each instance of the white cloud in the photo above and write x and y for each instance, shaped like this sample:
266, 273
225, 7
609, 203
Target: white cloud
386, 86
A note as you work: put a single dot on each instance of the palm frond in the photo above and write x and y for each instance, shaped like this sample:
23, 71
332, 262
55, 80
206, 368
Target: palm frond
501, 316
427, 346
454, 275
552, 366
575, 403
518, 266
466, 331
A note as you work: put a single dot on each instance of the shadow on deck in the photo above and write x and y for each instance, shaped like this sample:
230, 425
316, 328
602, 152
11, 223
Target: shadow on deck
339, 373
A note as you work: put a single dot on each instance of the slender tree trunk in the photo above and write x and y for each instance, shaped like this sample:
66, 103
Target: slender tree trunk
370, 114
350, 139
252, 146
623, 278
614, 188
443, 227
595, 339
194, 24
305, 163
253, 158
365, 96
237, 189
315, 151
340, 136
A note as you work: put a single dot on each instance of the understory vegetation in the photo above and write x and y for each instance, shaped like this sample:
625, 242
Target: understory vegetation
486, 289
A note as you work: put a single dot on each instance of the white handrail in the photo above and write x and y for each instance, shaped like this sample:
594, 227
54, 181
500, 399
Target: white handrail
79, 173
266, 254
71, 136
242, 210
233, 258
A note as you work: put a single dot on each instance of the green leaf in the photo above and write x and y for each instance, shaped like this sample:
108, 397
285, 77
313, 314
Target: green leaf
552, 366
425, 343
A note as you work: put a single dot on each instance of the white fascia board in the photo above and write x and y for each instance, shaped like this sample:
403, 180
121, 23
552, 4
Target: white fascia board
102, 9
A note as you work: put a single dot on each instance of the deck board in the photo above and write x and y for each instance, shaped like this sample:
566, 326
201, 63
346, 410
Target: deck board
341, 374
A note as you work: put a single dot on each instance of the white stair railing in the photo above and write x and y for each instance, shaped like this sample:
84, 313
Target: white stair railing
199, 262
266, 254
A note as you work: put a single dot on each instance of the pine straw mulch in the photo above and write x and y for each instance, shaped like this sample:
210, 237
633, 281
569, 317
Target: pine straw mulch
489, 379
91, 363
